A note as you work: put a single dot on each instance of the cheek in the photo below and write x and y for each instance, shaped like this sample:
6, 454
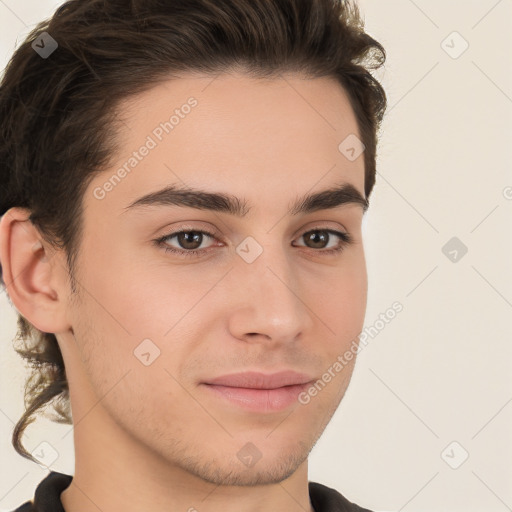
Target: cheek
134, 296
139, 379
339, 298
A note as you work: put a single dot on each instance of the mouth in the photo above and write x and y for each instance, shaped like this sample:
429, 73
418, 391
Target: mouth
258, 392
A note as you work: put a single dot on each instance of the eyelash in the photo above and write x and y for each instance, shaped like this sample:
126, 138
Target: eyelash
346, 240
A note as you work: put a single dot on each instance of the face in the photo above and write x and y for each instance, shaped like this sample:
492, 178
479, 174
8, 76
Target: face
264, 291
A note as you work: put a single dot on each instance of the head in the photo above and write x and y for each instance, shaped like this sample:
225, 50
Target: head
247, 98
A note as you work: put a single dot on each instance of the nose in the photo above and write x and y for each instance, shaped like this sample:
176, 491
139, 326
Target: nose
268, 304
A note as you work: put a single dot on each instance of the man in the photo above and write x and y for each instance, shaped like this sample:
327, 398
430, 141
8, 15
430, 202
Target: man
184, 187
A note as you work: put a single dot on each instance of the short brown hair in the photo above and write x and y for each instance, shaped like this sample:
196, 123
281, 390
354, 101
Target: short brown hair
59, 119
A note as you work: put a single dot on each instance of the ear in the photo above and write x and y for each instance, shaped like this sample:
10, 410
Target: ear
34, 275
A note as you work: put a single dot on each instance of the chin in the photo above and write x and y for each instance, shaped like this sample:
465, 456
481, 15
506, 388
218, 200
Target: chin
262, 469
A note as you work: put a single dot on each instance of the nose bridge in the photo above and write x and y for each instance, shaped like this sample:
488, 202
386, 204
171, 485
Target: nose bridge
267, 266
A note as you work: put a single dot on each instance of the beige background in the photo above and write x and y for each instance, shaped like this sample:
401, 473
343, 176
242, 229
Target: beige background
440, 371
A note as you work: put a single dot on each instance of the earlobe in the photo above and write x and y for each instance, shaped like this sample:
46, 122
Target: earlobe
31, 274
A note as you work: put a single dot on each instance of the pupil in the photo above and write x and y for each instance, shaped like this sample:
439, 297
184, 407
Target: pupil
192, 234
315, 236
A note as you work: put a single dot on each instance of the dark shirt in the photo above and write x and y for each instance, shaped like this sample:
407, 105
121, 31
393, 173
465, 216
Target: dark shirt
47, 497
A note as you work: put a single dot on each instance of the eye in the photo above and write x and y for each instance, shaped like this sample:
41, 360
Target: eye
325, 236
190, 240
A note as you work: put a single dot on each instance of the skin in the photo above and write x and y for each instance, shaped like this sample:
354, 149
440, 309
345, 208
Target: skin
151, 437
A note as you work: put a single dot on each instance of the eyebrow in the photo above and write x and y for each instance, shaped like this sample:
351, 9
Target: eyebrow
174, 195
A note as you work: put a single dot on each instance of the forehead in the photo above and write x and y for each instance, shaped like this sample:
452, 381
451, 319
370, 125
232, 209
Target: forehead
233, 132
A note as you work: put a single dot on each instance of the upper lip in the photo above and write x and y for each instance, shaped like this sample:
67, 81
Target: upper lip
257, 380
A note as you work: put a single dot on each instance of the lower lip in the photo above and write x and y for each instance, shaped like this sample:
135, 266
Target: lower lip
260, 400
